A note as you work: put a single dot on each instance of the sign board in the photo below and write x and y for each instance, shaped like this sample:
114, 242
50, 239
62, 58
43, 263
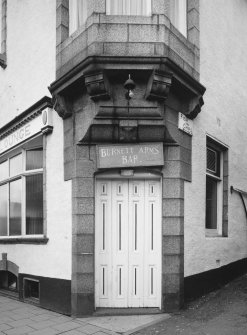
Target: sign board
29, 129
150, 154
185, 124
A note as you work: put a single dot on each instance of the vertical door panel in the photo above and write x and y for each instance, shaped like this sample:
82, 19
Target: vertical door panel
136, 239
103, 249
152, 251
119, 243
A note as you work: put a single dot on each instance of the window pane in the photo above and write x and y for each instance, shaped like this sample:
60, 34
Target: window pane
34, 204
4, 170
211, 203
34, 159
128, 7
3, 209
77, 14
15, 207
15, 165
179, 15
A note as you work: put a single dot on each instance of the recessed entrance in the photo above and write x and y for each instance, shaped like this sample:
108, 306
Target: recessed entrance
128, 243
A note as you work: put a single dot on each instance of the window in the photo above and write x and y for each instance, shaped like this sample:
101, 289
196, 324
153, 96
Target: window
215, 193
21, 193
179, 15
77, 14
31, 289
128, 7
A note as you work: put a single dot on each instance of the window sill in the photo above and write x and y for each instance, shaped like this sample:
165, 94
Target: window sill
213, 234
3, 63
24, 240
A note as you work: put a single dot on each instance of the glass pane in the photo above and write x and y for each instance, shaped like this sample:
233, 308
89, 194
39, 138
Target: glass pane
34, 204
34, 159
15, 165
3, 209
15, 207
128, 7
77, 14
4, 170
211, 203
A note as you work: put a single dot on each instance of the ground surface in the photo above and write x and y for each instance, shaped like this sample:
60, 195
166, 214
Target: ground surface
223, 312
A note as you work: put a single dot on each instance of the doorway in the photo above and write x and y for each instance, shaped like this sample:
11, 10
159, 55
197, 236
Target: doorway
128, 243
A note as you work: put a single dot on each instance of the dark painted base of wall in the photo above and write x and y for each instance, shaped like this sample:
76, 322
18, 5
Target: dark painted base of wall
55, 294
203, 283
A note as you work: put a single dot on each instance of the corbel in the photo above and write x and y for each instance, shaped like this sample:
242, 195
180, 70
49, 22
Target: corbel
159, 85
62, 106
97, 86
194, 107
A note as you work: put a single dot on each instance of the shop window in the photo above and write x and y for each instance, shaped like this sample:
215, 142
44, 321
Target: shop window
8, 281
77, 14
179, 15
31, 289
128, 7
21, 193
214, 188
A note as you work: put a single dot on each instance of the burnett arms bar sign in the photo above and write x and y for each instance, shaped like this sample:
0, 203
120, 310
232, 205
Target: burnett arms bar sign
149, 154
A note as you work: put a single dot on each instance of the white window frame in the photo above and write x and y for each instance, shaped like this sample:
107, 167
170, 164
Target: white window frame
178, 15
127, 4
22, 175
218, 231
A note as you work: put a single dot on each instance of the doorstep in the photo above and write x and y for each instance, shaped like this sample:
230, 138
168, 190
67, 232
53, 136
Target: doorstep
125, 324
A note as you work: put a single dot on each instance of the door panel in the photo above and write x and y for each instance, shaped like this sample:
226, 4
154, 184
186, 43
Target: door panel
128, 243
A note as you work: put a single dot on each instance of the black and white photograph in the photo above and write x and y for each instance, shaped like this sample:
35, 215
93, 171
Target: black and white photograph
123, 167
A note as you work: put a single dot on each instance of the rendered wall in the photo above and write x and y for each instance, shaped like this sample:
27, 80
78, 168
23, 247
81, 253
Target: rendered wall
30, 69
31, 40
223, 70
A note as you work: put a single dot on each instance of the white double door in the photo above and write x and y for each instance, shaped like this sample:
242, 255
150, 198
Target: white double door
128, 243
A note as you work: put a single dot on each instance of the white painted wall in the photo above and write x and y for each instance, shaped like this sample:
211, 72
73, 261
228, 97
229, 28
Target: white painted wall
223, 29
30, 70
31, 47
53, 259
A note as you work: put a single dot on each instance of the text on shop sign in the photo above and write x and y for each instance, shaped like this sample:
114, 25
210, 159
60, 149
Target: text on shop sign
130, 155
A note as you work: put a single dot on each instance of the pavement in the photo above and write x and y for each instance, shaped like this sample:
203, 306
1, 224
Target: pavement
223, 312
17, 317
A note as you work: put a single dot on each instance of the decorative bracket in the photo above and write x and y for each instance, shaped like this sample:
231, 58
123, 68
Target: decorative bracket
62, 106
194, 107
159, 85
97, 86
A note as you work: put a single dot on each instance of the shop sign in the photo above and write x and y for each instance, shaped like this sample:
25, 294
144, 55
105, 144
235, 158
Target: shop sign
21, 134
150, 154
185, 124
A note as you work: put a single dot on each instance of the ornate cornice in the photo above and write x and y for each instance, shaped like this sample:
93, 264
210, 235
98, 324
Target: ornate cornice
25, 117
